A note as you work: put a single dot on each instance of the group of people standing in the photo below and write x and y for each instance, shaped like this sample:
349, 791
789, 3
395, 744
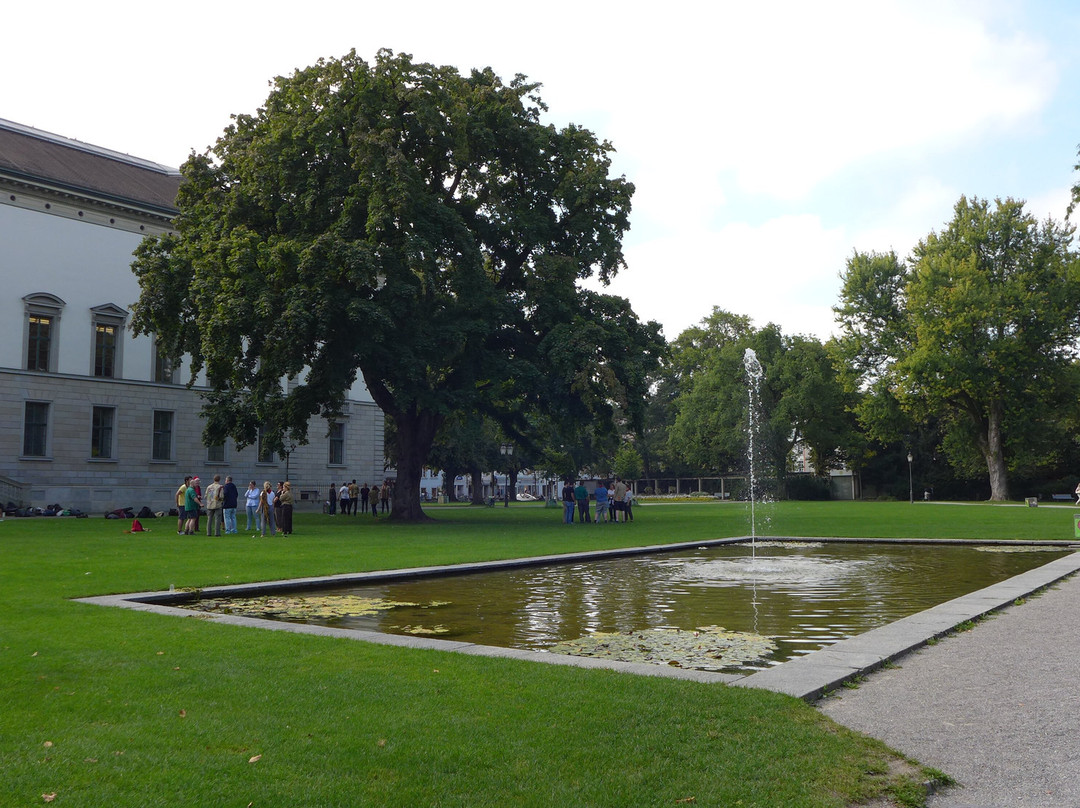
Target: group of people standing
346, 498
219, 501
612, 500
267, 508
270, 509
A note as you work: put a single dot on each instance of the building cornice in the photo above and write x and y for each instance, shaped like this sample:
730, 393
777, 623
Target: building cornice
69, 203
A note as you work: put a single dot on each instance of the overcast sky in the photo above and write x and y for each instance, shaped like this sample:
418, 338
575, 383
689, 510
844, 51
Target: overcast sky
767, 141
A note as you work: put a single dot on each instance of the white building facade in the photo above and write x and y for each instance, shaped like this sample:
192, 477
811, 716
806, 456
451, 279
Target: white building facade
91, 417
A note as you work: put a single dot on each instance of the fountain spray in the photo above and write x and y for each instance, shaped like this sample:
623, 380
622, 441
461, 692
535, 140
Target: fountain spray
753, 385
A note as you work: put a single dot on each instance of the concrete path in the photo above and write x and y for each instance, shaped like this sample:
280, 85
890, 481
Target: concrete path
996, 707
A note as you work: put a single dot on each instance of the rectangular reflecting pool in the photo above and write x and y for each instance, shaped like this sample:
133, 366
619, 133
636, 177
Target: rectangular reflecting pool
710, 608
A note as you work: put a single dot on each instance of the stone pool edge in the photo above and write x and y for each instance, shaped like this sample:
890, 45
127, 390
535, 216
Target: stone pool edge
807, 677
812, 676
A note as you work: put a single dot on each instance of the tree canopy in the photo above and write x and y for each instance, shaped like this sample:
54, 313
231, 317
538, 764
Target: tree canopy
978, 330
417, 226
801, 398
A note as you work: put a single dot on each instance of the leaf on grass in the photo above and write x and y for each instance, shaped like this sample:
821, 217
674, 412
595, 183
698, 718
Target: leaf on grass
47, 744
183, 713
686, 799
49, 797
255, 759
382, 742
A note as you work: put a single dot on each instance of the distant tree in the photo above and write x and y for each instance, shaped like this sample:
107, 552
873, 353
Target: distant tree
979, 332
628, 464
801, 398
405, 222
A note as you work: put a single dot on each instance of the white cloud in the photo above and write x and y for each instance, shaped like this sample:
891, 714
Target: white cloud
925, 205
784, 271
767, 140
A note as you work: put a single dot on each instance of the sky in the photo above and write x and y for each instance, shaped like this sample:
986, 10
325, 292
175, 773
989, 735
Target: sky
767, 141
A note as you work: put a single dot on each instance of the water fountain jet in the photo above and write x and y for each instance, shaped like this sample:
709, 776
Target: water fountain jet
753, 385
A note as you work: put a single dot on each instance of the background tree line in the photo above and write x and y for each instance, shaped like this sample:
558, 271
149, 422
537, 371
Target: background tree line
426, 231
963, 354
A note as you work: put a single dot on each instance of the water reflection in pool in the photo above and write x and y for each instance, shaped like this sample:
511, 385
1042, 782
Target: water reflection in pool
805, 595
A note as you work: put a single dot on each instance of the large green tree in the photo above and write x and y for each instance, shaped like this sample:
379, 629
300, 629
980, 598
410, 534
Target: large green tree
978, 330
403, 221
801, 400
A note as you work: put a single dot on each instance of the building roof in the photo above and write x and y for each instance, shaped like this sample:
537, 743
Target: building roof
37, 157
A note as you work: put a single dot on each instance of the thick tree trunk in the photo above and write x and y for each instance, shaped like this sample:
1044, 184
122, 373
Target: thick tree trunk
512, 489
477, 487
415, 434
449, 489
995, 454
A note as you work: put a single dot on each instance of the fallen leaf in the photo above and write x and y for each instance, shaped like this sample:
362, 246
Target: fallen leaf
161, 653
183, 713
34, 654
49, 797
382, 741
90, 760
686, 799
255, 759
47, 744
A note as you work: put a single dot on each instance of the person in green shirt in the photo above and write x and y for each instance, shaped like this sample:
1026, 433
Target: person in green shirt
581, 495
192, 503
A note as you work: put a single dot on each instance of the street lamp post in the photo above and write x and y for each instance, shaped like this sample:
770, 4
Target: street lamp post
288, 453
506, 450
910, 486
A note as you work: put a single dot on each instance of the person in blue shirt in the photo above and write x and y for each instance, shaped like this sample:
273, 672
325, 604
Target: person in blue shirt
601, 502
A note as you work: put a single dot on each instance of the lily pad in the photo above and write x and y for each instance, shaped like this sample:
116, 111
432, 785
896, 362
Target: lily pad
422, 630
307, 607
708, 648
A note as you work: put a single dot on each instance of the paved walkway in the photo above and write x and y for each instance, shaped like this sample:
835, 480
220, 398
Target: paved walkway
996, 707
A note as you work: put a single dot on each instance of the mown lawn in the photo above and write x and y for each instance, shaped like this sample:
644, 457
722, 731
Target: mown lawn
119, 708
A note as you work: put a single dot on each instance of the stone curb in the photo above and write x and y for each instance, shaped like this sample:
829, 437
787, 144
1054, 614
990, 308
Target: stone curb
811, 676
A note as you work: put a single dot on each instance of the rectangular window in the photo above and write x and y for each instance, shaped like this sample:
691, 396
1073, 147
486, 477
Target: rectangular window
337, 444
265, 453
215, 454
35, 429
105, 350
162, 448
163, 367
39, 342
101, 432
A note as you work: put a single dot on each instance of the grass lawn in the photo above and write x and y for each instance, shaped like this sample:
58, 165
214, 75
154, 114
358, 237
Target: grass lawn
119, 708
